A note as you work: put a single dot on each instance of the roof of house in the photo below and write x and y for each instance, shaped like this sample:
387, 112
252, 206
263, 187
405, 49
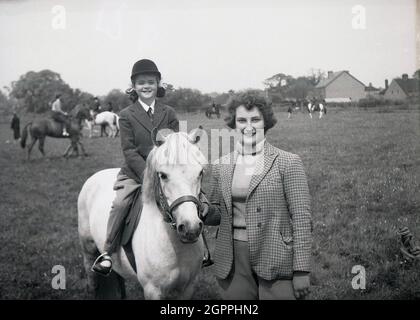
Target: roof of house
409, 86
371, 88
335, 75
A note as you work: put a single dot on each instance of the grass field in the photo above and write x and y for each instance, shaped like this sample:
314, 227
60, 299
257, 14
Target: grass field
363, 168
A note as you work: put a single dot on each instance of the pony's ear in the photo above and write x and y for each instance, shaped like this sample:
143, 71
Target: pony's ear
159, 136
195, 135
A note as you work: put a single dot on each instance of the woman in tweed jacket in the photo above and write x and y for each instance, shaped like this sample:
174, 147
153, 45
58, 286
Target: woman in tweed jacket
260, 196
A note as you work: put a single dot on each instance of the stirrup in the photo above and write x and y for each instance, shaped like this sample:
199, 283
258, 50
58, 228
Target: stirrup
207, 262
96, 267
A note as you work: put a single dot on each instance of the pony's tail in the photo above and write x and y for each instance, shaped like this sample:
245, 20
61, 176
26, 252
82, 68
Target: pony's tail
24, 135
117, 122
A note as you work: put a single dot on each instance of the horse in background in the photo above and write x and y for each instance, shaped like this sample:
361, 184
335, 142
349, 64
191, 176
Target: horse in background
314, 106
213, 109
309, 108
320, 107
104, 119
167, 242
39, 129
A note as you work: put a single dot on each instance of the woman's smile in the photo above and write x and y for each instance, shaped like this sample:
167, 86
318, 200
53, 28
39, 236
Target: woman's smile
250, 123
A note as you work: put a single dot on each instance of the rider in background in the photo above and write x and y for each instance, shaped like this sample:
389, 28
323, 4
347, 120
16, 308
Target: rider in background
15, 126
96, 108
59, 115
289, 111
109, 107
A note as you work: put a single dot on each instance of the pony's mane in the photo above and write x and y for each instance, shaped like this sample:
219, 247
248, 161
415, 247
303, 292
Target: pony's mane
176, 150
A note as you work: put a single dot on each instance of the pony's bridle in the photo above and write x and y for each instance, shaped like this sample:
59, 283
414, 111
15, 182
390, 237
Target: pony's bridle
167, 209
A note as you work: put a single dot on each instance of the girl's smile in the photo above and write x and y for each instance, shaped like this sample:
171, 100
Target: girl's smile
146, 86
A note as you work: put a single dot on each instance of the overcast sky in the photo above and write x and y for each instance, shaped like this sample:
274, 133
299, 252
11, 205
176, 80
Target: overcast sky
210, 45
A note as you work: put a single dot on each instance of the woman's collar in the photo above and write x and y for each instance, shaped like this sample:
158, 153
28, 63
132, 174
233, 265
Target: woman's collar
250, 150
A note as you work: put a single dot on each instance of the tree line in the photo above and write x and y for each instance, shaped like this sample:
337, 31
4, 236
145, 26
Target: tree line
35, 91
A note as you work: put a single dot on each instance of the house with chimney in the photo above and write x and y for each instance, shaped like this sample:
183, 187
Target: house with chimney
372, 92
403, 88
339, 86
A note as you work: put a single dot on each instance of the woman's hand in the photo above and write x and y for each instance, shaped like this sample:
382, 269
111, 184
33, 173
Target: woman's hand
204, 209
301, 286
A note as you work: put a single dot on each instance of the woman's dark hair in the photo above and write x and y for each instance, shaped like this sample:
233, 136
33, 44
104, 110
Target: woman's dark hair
250, 99
134, 96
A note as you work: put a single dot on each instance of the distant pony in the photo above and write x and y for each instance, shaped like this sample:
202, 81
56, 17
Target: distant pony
104, 119
213, 109
309, 107
41, 128
319, 106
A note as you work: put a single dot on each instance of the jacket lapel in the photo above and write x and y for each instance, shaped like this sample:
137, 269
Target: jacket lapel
141, 116
160, 114
263, 165
226, 172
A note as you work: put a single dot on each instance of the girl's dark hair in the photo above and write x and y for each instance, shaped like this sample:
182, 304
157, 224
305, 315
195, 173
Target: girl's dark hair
250, 99
132, 94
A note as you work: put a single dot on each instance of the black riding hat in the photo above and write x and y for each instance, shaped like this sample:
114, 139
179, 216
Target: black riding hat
144, 66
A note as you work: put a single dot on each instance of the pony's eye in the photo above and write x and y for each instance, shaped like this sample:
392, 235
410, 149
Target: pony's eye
163, 176
201, 174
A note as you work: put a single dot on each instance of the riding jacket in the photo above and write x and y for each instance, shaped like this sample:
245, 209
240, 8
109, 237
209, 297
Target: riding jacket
135, 131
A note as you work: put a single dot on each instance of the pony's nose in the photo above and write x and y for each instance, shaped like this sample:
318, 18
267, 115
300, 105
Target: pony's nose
189, 232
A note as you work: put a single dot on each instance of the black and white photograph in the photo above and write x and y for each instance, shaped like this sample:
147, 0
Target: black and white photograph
210, 151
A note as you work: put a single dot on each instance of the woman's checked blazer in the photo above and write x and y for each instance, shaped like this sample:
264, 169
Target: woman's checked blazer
278, 215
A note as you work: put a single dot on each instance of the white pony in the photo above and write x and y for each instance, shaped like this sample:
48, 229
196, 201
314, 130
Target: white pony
310, 109
321, 109
104, 119
168, 255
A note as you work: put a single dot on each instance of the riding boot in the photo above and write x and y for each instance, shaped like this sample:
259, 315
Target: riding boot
103, 264
65, 126
125, 188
